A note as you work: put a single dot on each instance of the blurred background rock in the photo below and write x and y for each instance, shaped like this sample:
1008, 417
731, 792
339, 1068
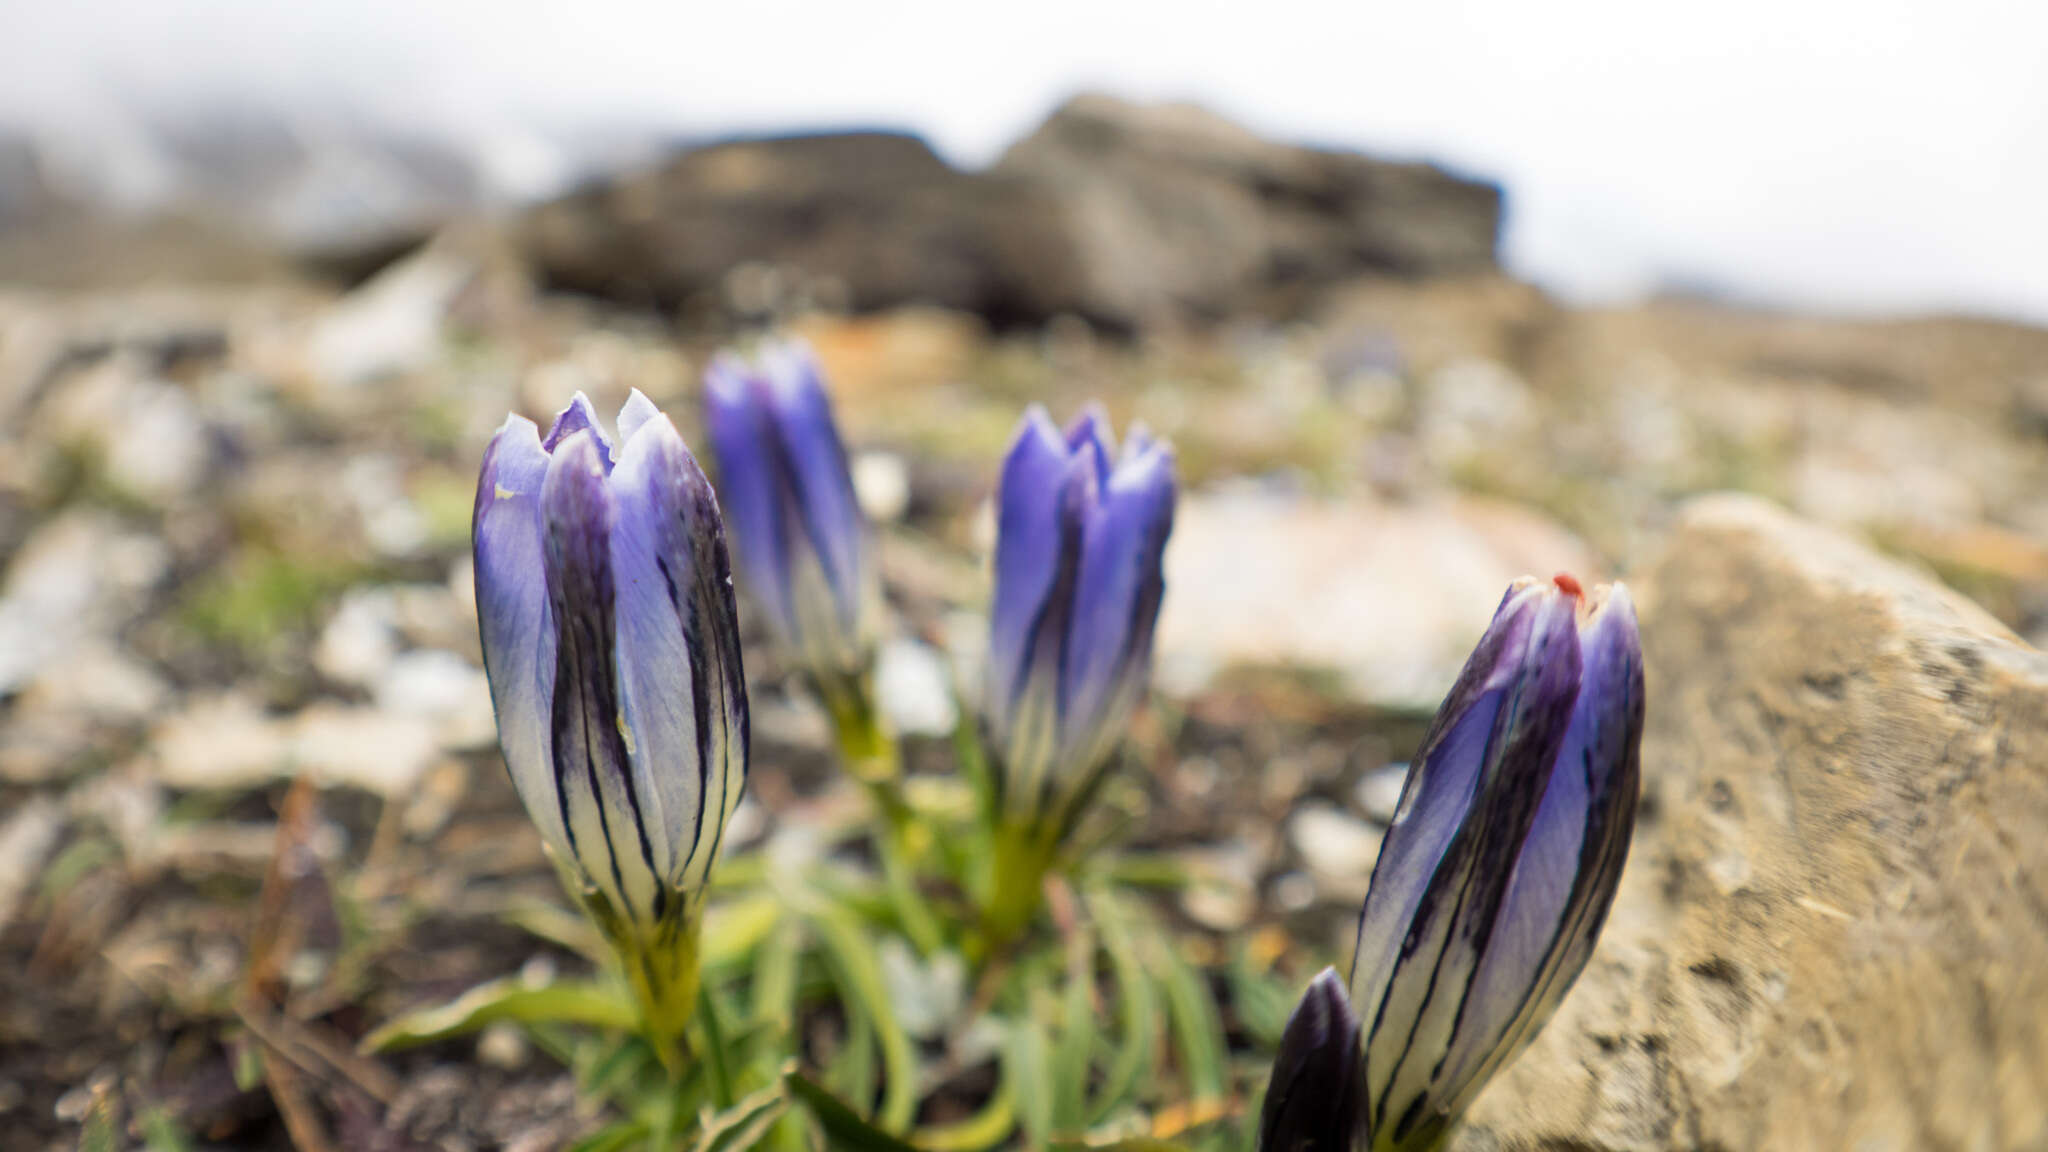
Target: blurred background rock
250, 350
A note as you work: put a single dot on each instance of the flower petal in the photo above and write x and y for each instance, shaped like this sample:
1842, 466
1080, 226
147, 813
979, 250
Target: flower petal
1028, 543
513, 616
1456, 875
579, 416
1312, 1099
678, 656
607, 827
634, 416
743, 435
1116, 604
821, 481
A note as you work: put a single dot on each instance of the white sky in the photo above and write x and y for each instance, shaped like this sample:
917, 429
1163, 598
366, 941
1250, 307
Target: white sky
1847, 154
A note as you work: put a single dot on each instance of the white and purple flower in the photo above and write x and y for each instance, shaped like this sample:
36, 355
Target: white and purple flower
605, 607
1081, 529
1491, 885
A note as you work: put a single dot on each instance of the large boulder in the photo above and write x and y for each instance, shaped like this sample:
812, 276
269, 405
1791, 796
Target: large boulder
1177, 212
1833, 929
877, 216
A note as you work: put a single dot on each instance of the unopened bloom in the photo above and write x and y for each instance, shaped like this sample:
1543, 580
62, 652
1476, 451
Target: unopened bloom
1080, 532
804, 546
606, 612
1312, 1101
1503, 858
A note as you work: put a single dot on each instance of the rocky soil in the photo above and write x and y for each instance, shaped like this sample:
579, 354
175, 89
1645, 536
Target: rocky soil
234, 528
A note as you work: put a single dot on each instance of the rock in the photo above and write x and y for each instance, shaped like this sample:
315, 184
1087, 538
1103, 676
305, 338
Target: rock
26, 838
81, 574
915, 688
1390, 597
1831, 929
1175, 211
226, 741
1122, 214
443, 688
864, 219
881, 482
1338, 848
360, 639
392, 324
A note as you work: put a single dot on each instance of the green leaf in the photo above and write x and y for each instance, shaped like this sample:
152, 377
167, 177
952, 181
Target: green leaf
734, 929
743, 1125
1262, 1002
1138, 1000
985, 1129
1077, 1036
575, 1002
844, 1128
860, 976
1027, 1072
613, 1137
1193, 1016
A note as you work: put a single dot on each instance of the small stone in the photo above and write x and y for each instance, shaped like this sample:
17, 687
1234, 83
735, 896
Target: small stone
358, 643
444, 688
1379, 792
1337, 847
1294, 891
502, 1045
25, 839
915, 688
881, 483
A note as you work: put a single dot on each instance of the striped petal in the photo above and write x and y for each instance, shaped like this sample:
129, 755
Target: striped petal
679, 669
513, 616
1028, 552
1116, 604
1565, 878
579, 416
601, 809
1312, 1099
743, 436
1414, 1002
821, 481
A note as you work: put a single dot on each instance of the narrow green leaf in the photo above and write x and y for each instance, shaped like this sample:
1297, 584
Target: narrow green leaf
1027, 1070
743, 1125
1137, 1001
844, 1128
983, 1130
1077, 1035
1262, 1003
734, 929
575, 1002
860, 971
612, 1137
1193, 1016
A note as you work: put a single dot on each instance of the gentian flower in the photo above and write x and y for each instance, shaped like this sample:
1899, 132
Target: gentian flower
1080, 533
804, 546
605, 607
1497, 874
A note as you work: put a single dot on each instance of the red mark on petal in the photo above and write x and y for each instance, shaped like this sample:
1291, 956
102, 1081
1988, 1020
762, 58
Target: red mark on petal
1568, 584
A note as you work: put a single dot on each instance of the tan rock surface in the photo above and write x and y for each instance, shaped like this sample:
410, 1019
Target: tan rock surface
1833, 930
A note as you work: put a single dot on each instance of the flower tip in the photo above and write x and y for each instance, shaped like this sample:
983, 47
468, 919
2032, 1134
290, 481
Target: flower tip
1569, 585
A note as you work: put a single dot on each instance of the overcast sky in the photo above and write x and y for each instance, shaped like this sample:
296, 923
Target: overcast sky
1846, 154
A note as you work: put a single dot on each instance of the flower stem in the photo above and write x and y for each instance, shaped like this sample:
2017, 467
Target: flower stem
714, 1048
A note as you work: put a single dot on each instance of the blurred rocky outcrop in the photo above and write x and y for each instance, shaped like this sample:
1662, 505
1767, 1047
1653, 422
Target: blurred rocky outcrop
1127, 215
859, 219
1831, 930
1179, 212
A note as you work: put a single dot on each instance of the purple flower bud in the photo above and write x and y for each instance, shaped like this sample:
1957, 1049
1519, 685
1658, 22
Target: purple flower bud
605, 607
1504, 855
803, 542
1312, 1098
1080, 533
